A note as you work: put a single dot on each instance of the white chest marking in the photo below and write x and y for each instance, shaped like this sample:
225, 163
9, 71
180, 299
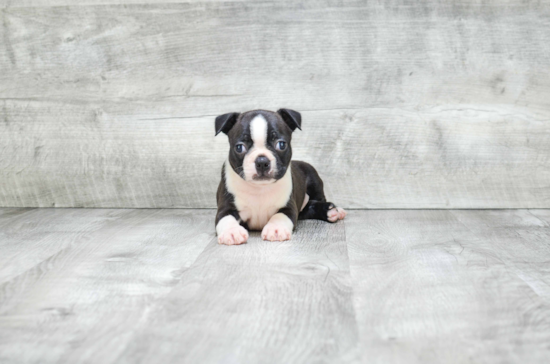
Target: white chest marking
258, 203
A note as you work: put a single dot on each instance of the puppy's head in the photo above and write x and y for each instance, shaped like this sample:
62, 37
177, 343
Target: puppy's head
259, 142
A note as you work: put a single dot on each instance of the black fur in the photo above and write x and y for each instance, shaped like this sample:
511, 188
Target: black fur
225, 122
292, 118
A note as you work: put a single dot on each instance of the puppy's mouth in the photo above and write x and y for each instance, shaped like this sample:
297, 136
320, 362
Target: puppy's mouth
263, 177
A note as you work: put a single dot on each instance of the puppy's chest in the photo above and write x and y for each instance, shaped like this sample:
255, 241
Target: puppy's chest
257, 208
257, 203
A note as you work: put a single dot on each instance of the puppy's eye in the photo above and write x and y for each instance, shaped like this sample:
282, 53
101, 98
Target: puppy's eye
281, 145
240, 148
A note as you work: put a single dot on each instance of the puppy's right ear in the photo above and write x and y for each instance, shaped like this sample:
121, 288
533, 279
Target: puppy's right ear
225, 122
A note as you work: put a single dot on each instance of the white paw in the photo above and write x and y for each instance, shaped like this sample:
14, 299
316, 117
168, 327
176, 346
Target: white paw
335, 214
234, 235
276, 231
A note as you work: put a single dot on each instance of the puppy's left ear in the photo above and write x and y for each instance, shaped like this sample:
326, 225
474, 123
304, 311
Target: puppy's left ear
225, 122
292, 118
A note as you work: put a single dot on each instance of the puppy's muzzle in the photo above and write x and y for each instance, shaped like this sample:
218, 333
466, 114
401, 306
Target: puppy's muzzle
263, 166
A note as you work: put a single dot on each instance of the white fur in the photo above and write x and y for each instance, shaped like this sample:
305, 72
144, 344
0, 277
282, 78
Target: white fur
258, 132
279, 228
306, 200
257, 203
230, 232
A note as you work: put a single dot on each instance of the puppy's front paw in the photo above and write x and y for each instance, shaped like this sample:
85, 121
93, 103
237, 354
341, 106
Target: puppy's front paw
233, 236
275, 231
335, 214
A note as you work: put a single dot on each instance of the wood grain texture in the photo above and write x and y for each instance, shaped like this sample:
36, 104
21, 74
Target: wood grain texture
81, 303
47, 3
451, 286
30, 237
150, 286
375, 158
135, 291
405, 105
263, 302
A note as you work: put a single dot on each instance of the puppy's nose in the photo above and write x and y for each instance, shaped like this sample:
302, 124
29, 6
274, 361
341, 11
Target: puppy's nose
262, 164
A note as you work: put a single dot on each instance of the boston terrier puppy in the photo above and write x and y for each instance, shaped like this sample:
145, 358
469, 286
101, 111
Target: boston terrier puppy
261, 188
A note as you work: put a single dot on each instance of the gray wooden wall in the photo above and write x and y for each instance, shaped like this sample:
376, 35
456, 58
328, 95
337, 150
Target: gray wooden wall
405, 103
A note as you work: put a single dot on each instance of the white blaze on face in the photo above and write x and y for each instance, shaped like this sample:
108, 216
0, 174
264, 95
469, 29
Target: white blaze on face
258, 132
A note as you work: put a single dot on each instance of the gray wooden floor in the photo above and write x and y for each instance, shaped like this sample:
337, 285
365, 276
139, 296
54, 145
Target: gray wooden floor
385, 286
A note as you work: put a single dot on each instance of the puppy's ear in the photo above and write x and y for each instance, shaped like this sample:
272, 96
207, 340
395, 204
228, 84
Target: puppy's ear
225, 122
292, 118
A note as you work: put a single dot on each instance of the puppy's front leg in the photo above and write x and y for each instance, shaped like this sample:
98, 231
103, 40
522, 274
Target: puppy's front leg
228, 228
230, 232
280, 226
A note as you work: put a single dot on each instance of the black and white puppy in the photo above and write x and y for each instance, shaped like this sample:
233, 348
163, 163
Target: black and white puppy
261, 188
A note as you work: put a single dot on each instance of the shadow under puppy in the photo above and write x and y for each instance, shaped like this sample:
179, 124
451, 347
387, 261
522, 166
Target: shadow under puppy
261, 188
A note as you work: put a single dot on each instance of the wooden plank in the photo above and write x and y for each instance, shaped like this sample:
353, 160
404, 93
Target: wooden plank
39, 3
29, 237
81, 304
375, 158
284, 302
431, 104
520, 239
447, 286
197, 59
543, 215
6, 213
427, 286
